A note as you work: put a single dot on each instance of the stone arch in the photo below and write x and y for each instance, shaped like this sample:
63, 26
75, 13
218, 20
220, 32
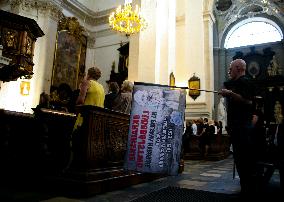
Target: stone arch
231, 25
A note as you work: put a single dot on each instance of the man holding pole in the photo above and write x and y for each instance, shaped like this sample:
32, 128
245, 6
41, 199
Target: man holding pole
239, 95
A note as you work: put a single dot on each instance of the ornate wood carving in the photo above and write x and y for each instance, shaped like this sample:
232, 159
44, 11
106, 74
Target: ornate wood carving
116, 141
102, 138
18, 36
97, 136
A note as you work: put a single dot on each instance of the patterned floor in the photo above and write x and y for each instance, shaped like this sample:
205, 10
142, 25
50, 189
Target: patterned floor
203, 175
213, 176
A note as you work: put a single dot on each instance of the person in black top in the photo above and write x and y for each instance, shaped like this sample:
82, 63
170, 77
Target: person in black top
110, 97
239, 94
204, 139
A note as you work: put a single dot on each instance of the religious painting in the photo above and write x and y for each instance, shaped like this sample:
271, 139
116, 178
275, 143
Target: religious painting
70, 54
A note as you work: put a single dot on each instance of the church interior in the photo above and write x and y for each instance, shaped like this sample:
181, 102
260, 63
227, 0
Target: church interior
47, 47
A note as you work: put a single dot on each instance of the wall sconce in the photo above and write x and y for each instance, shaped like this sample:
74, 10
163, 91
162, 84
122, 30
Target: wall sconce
25, 88
172, 79
194, 86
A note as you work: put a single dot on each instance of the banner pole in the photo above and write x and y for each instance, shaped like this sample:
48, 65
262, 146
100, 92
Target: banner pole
209, 91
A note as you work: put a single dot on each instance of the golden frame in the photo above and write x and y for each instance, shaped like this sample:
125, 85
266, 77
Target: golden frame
70, 54
194, 87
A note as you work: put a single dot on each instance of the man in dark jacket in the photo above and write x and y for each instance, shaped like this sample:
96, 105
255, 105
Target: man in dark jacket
239, 96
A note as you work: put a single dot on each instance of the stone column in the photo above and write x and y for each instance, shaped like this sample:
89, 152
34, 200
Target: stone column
194, 56
153, 60
198, 57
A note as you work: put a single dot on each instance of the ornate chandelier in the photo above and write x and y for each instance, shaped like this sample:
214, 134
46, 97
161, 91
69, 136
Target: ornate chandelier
126, 20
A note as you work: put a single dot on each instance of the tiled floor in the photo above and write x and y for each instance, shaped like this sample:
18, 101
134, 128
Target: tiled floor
216, 176
211, 176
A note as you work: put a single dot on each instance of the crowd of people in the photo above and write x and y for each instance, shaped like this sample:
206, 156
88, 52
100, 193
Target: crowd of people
206, 131
90, 92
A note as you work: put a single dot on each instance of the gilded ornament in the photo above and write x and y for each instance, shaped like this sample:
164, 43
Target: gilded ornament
72, 25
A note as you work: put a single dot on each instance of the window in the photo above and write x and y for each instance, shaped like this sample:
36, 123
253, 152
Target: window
253, 31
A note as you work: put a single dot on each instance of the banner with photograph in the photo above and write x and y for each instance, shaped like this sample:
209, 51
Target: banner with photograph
156, 129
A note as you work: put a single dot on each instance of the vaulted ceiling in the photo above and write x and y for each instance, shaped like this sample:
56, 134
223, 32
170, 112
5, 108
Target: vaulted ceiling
228, 12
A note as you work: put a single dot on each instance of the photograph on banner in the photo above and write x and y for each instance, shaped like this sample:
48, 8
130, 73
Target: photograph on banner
156, 129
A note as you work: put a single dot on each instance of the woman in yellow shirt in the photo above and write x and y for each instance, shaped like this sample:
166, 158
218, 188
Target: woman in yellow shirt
91, 92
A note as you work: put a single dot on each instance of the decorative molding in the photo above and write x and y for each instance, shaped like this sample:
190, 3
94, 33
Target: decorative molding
105, 32
91, 40
247, 9
207, 15
88, 16
195, 110
45, 7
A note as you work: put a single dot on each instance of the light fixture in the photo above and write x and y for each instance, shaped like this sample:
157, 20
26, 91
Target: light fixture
127, 20
194, 87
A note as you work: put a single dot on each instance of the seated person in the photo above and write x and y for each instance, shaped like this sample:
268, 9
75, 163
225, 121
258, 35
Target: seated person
43, 101
113, 92
122, 102
91, 92
60, 97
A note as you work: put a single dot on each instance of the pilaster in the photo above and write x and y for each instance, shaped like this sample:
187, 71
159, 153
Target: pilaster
208, 20
142, 50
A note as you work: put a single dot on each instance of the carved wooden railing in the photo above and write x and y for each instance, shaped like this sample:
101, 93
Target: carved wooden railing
32, 145
55, 132
98, 149
43, 147
218, 149
101, 141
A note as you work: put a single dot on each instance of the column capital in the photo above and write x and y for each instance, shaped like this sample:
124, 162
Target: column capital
44, 7
91, 41
207, 15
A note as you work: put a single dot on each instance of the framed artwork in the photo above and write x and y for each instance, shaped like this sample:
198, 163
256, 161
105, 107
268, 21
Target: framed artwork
194, 86
253, 69
70, 54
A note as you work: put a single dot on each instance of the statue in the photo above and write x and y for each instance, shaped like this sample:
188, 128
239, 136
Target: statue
278, 113
222, 113
273, 68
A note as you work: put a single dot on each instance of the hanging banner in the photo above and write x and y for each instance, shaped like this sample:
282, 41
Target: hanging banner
156, 129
